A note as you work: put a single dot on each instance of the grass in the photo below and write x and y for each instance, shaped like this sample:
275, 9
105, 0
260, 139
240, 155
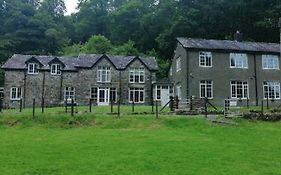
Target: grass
56, 143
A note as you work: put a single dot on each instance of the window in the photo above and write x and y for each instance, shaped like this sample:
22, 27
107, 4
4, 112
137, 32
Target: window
104, 74
33, 68
171, 71
271, 89
113, 95
94, 94
158, 92
136, 95
55, 69
69, 93
238, 60
270, 62
206, 89
137, 75
205, 59
16, 93
178, 61
1, 93
239, 89
178, 91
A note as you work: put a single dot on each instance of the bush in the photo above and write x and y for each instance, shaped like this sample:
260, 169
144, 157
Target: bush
273, 117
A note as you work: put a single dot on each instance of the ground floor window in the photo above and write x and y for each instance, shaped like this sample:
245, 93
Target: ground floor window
158, 92
206, 89
16, 93
104, 94
239, 89
271, 90
136, 95
113, 95
69, 93
1, 93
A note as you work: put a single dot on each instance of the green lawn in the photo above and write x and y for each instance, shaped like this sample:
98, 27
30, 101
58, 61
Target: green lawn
56, 143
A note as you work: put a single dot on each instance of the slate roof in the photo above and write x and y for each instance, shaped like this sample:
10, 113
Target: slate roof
82, 61
229, 45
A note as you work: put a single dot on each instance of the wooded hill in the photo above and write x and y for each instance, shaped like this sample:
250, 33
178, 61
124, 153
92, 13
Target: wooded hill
129, 26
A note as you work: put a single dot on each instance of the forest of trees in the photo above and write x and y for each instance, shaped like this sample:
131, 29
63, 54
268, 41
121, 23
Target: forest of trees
138, 27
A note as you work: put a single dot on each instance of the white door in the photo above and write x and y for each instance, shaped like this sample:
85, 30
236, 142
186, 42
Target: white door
103, 96
165, 95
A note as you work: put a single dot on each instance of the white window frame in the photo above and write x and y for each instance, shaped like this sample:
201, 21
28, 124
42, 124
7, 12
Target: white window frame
268, 59
245, 87
178, 64
1, 92
276, 89
70, 93
55, 69
158, 92
18, 93
104, 71
33, 68
240, 60
204, 58
208, 85
133, 90
137, 72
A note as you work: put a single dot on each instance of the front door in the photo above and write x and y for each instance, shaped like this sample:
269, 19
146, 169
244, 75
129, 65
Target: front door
103, 96
165, 95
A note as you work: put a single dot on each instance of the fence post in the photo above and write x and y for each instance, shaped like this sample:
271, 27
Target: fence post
111, 106
119, 108
190, 101
206, 108
248, 103
90, 105
42, 105
65, 103
33, 108
133, 106
177, 103
171, 105
72, 107
152, 106
21, 105
262, 107
1, 104
156, 109
267, 105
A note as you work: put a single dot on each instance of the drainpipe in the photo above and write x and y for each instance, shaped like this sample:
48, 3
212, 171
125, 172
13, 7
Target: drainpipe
43, 87
24, 89
255, 79
61, 81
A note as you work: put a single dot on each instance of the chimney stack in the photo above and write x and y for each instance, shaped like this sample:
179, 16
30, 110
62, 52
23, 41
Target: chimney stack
238, 36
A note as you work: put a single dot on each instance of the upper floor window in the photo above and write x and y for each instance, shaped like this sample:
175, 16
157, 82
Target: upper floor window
178, 64
271, 89
137, 75
104, 74
69, 93
56, 69
205, 59
270, 62
16, 93
238, 60
33, 68
171, 71
239, 89
206, 89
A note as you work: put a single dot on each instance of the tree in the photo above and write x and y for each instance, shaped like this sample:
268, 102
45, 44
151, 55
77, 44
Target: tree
97, 44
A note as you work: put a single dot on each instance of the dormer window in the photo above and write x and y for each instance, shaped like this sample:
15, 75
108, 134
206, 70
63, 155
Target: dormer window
137, 75
33, 68
55, 69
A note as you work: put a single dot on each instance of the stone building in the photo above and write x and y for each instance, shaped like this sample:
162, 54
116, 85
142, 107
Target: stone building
221, 69
102, 78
